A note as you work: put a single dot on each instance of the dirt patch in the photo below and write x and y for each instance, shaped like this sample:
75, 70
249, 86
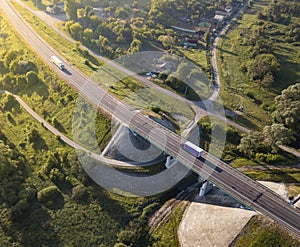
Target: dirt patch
205, 224
279, 188
216, 219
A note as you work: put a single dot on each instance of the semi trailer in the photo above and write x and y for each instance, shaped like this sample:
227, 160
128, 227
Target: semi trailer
57, 62
192, 149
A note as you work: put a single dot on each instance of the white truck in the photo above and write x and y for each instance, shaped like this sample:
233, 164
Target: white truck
57, 62
192, 149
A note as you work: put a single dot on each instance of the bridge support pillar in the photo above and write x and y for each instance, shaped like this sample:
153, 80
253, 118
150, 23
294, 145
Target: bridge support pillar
170, 160
205, 188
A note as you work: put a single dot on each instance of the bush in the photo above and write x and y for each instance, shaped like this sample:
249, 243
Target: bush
80, 194
56, 175
29, 194
270, 158
49, 195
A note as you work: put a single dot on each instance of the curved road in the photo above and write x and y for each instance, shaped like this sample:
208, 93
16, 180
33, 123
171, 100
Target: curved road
230, 180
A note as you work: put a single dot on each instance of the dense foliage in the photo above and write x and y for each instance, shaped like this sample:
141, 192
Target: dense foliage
46, 198
113, 30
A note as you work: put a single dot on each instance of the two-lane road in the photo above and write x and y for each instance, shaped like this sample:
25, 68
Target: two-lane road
235, 183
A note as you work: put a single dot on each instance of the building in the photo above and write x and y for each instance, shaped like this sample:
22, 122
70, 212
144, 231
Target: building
219, 18
55, 8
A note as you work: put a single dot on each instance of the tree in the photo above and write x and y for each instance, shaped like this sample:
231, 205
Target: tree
76, 31
80, 194
135, 4
80, 13
87, 35
135, 46
251, 143
287, 109
10, 56
94, 21
21, 67
166, 40
263, 46
121, 13
207, 39
103, 41
32, 78
88, 11
11, 174
9, 102
277, 134
8, 81
71, 7
263, 69
49, 195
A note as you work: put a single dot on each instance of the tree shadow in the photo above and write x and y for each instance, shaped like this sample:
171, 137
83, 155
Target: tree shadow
226, 51
40, 144
36, 230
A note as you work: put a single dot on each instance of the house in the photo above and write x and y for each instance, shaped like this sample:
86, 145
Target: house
200, 31
199, 34
101, 13
55, 8
51, 9
219, 18
220, 12
229, 9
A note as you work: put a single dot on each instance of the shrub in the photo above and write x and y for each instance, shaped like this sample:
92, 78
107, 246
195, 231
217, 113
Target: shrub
29, 194
49, 195
80, 194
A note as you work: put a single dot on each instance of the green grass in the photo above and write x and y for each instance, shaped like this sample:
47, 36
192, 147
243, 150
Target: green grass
51, 98
198, 57
293, 189
66, 48
261, 232
236, 85
276, 175
240, 162
166, 234
73, 223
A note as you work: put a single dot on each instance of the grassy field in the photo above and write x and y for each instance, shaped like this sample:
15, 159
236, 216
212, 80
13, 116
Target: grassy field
198, 57
237, 89
94, 219
262, 232
66, 48
70, 222
166, 234
51, 98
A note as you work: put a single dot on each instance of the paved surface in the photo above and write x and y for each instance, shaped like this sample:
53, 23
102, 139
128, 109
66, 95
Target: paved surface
230, 180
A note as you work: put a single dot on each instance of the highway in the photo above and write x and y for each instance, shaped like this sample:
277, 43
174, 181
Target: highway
230, 180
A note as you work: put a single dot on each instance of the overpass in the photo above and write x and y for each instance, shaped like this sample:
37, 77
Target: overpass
230, 180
